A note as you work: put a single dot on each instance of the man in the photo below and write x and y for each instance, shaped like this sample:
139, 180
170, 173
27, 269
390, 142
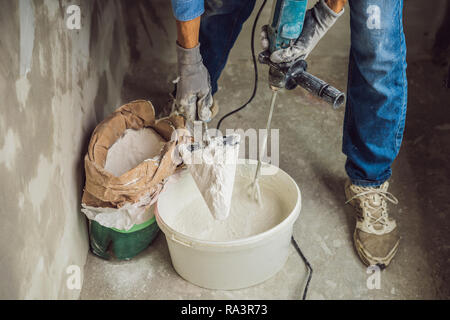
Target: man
376, 97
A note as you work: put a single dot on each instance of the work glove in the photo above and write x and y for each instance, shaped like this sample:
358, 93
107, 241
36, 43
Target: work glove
193, 98
318, 20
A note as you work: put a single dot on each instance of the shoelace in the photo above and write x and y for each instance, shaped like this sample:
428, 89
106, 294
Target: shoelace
374, 211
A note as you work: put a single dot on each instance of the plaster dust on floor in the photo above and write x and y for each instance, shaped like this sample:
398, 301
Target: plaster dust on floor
247, 218
134, 147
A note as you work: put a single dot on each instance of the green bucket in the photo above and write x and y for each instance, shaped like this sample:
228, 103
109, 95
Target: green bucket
124, 244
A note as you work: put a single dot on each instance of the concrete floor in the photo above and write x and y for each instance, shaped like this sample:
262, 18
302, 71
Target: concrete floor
310, 151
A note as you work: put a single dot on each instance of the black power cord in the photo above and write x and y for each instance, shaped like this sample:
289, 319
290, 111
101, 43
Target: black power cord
255, 88
308, 265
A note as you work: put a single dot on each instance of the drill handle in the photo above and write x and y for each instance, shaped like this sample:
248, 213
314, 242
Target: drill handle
291, 76
317, 87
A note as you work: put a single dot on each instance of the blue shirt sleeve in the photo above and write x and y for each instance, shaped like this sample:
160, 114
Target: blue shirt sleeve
185, 10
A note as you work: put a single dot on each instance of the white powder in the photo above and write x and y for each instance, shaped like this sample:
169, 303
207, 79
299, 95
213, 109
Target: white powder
213, 169
246, 217
134, 147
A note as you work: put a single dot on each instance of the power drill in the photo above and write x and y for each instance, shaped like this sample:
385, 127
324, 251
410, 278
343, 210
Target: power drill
285, 27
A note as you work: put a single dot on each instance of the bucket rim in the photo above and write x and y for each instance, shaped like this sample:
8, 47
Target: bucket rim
193, 242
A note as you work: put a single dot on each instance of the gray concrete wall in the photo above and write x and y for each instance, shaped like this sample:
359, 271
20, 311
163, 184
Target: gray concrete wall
56, 84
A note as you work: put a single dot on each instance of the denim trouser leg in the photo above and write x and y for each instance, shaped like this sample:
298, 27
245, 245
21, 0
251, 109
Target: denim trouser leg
220, 26
377, 90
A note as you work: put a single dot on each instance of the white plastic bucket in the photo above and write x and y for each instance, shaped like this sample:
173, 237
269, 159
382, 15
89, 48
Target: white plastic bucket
233, 264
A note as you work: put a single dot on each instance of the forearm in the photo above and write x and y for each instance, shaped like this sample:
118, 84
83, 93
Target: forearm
188, 32
336, 5
187, 13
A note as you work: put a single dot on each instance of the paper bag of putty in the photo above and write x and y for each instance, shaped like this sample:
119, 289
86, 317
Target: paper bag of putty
213, 168
123, 200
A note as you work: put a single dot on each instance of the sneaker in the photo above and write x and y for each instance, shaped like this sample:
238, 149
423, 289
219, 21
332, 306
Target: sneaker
376, 236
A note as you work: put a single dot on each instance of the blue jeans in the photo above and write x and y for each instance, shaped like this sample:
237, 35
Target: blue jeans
377, 87
220, 26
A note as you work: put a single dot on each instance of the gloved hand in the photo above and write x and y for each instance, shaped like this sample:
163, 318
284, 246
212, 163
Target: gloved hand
193, 98
318, 20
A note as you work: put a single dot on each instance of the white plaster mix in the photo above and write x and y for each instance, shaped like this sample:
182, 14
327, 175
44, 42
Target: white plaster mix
247, 218
134, 147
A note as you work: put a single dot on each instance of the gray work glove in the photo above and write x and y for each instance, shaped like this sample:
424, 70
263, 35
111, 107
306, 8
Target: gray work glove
318, 20
193, 98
